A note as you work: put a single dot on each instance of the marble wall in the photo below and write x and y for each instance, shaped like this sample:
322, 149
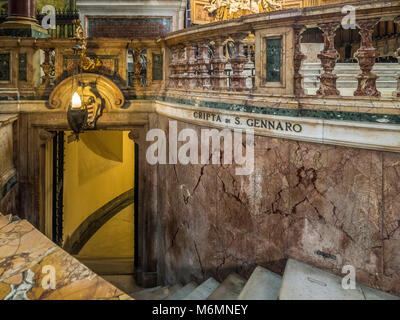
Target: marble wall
303, 199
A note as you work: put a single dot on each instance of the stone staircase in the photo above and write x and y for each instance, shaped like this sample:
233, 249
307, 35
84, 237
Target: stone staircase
347, 77
24, 252
299, 282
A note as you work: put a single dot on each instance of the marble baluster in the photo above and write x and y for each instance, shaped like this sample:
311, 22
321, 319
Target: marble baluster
219, 62
366, 57
191, 78
328, 57
238, 78
48, 67
137, 68
173, 83
397, 54
181, 66
204, 63
298, 60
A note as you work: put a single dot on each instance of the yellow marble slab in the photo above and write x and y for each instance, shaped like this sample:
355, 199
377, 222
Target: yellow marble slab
26, 256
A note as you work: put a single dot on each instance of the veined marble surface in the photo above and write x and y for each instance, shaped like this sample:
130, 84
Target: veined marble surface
24, 252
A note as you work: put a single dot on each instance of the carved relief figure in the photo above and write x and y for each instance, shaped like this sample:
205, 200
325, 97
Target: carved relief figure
231, 9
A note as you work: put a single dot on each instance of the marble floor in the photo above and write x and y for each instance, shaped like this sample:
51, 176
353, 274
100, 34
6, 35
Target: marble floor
33, 268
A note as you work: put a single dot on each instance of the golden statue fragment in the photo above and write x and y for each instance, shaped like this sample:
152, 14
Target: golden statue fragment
87, 63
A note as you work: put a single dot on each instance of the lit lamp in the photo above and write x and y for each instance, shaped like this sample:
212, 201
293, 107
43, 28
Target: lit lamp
77, 115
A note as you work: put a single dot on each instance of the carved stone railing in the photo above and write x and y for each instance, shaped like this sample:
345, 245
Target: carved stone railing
198, 59
49, 61
254, 55
207, 64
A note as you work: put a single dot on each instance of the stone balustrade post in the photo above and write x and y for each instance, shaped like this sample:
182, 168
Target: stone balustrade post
366, 57
238, 78
204, 64
328, 57
219, 62
173, 81
191, 78
298, 60
137, 67
48, 68
181, 66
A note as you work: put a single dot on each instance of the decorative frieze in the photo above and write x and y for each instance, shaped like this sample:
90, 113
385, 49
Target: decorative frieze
364, 135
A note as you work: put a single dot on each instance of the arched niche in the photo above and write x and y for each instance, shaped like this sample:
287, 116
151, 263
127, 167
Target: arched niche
61, 96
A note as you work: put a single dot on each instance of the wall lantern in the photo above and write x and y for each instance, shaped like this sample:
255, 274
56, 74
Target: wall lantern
86, 105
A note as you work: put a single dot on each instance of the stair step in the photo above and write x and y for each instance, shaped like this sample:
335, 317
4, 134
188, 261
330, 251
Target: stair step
125, 283
172, 290
203, 291
159, 294
262, 285
304, 282
145, 293
183, 292
229, 289
374, 294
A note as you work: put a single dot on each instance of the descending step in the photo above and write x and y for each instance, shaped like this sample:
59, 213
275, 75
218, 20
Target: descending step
262, 285
126, 283
229, 289
203, 291
172, 290
374, 294
159, 294
304, 282
183, 292
145, 294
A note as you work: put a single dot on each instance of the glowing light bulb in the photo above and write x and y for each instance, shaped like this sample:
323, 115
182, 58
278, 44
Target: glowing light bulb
76, 101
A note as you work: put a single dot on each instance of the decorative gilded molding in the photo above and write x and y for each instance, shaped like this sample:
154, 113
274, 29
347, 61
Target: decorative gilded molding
61, 96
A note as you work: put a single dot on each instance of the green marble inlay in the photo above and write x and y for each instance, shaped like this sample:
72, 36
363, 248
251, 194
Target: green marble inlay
5, 67
273, 110
157, 72
273, 63
22, 72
